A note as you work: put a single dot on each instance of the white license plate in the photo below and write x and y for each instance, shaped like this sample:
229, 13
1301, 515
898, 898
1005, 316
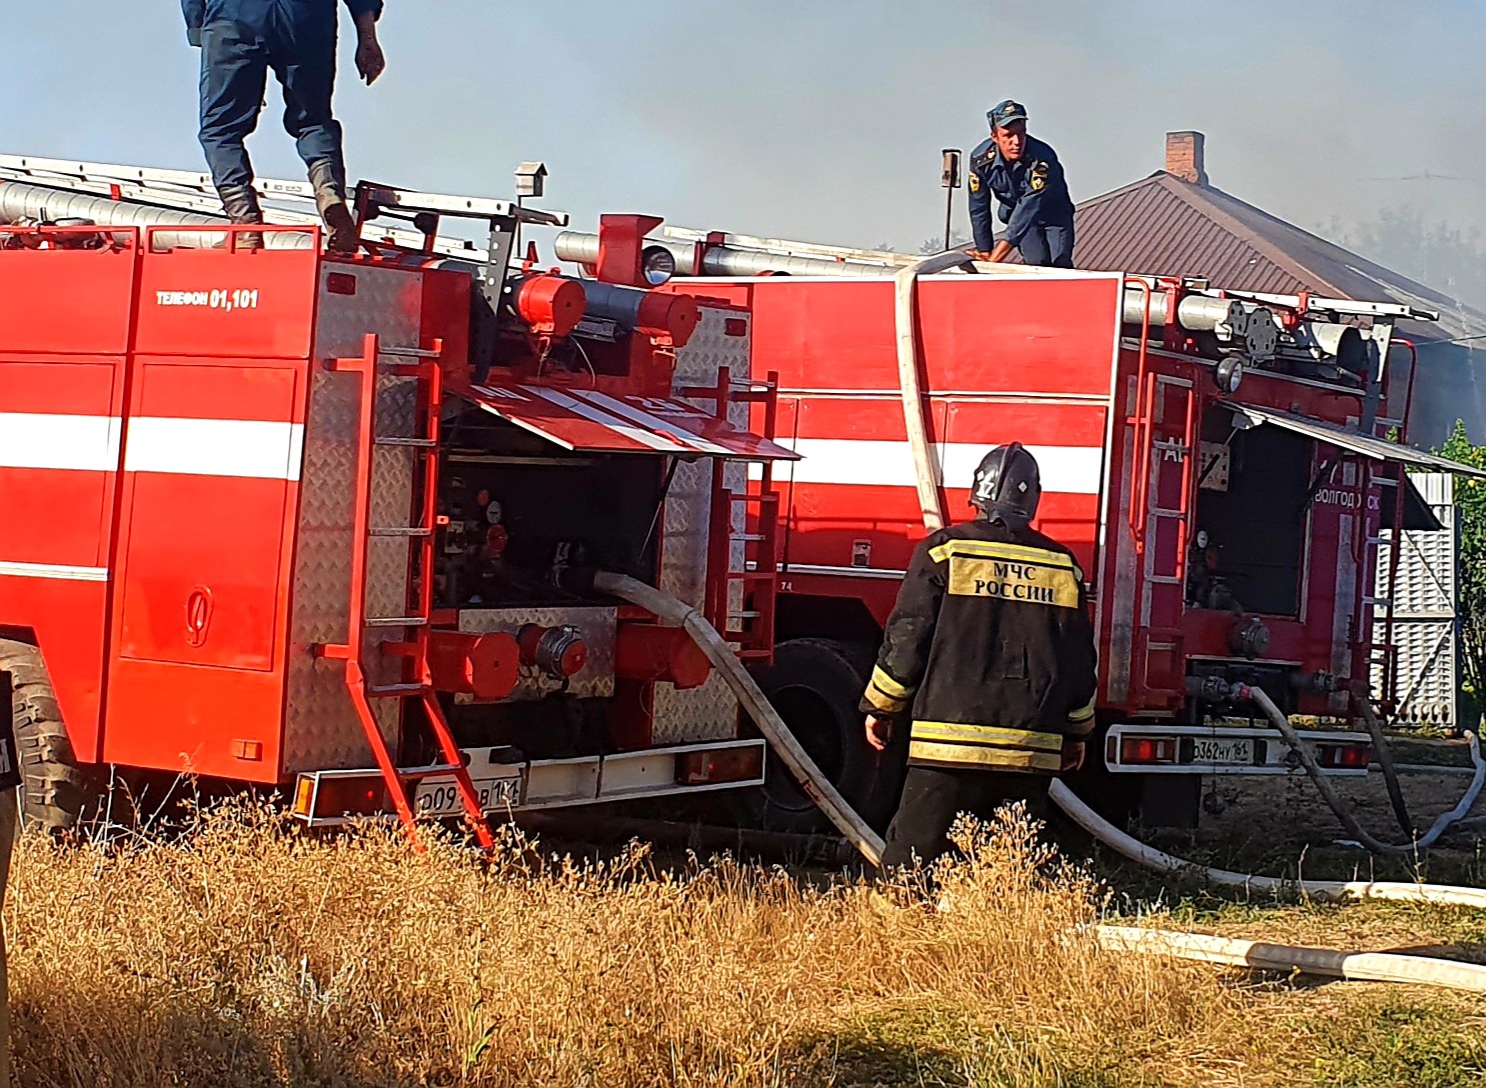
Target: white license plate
1234, 751
435, 798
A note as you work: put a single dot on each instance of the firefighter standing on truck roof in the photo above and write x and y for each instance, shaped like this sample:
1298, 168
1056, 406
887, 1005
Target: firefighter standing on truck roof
240, 41
989, 659
1027, 181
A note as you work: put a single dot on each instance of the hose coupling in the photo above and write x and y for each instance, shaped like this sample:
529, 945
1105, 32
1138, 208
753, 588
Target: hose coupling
1214, 689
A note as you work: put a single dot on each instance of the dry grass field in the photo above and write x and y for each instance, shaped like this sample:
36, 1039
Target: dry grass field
245, 953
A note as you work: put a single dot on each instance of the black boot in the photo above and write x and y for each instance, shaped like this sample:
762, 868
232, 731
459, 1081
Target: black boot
330, 199
240, 203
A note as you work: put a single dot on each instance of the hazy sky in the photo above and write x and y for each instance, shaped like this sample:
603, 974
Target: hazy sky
819, 119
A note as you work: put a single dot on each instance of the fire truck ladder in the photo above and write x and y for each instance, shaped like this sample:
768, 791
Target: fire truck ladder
286, 203
741, 603
376, 364
1161, 634
1383, 652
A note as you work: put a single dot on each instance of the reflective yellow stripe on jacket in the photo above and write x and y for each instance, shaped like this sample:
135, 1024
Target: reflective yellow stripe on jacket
1010, 572
886, 694
1082, 719
957, 744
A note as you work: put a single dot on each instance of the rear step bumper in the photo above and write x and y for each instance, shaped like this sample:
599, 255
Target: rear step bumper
1156, 748
506, 784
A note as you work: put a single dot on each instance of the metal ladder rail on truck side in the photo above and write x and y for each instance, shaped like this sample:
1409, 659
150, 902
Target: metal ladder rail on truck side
758, 575
423, 367
1146, 513
1383, 654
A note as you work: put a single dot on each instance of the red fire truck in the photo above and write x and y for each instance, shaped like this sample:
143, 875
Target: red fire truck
1218, 461
277, 517
274, 517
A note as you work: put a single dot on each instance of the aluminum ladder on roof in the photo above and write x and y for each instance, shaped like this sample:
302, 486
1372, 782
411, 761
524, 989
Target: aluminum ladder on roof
184, 190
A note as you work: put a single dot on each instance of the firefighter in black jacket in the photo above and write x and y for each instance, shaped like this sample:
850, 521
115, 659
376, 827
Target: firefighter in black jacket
989, 658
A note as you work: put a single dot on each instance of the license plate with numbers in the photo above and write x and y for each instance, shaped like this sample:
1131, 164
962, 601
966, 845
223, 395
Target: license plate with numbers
436, 798
1226, 752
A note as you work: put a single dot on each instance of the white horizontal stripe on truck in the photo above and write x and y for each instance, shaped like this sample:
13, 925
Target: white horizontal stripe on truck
67, 442
50, 570
1074, 470
241, 448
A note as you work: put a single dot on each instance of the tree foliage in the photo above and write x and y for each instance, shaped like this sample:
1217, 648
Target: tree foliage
1470, 502
930, 246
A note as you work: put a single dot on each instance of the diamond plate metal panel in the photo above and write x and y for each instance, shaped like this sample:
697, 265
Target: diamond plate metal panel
706, 712
598, 627
321, 729
710, 348
689, 503
710, 711
687, 527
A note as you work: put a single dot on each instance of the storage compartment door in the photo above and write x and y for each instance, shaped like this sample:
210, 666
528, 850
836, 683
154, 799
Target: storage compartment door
205, 545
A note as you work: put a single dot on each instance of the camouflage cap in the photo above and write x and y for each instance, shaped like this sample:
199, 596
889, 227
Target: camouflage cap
1004, 113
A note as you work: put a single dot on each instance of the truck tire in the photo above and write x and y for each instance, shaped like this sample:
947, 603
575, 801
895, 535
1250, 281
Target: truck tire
815, 685
56, 794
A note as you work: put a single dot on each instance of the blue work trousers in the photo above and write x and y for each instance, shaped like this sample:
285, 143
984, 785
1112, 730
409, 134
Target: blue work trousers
1049, 245
235, 59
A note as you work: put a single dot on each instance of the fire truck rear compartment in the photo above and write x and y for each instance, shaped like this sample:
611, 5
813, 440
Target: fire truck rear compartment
1249, 540
521, 509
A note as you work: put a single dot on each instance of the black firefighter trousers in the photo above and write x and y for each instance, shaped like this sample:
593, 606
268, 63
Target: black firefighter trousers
934, 796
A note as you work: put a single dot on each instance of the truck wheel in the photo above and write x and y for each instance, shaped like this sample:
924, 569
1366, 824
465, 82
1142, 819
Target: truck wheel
815, 685
56, 794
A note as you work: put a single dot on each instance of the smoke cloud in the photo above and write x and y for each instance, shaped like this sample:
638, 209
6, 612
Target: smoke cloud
824, 119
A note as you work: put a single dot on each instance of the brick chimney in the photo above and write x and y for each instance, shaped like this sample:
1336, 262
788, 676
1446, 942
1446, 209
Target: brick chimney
1184, 157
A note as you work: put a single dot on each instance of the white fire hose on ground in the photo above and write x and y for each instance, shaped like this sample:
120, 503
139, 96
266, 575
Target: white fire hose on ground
1132, 848
1369, 965
1258, 955
1340, 807
816, 786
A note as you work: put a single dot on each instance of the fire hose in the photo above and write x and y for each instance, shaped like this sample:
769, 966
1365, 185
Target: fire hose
869, 843
1372, 966
1386, 765
1355, 966
1380, 966
1134, 850
927, 481
815, 784
1338, 805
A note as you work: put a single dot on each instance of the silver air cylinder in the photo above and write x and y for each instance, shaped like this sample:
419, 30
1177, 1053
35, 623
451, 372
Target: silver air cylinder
1331, 341
1195, 313
22, 201
583, 248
